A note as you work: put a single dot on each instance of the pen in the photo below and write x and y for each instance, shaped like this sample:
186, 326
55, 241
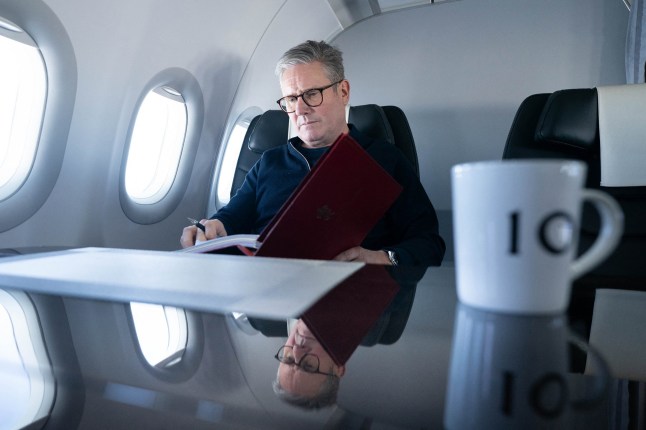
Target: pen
197, 224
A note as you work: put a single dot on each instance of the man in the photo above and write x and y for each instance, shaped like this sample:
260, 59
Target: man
315, 94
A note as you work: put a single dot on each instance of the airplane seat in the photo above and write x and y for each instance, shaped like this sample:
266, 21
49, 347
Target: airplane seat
403, 134
565, 125
388, 123
372, 121
265, 131
269, 327
391, 323
270, 129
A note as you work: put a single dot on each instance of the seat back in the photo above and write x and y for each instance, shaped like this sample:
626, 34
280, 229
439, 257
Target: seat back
265, 131
565, 125
402, 134
270, 129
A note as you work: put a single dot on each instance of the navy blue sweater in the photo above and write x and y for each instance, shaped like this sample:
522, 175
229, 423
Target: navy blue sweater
409, 227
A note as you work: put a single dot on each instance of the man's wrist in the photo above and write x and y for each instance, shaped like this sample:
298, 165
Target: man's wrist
392, 256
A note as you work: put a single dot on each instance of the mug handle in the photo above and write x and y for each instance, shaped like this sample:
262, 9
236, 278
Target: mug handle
600, 389
612, 226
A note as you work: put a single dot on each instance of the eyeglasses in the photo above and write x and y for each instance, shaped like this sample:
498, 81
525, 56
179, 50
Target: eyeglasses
309, 363
312, 98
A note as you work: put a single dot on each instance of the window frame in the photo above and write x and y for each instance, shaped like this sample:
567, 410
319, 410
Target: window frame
163, 180
176, 330
191, 356
48, 33
31, 347
185, 83
21, 173
244, 117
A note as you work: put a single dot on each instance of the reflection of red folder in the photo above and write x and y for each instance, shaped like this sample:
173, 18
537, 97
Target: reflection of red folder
342, 318
332, 210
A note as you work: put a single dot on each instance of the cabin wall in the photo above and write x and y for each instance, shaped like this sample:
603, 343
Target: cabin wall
458, 69
119, 47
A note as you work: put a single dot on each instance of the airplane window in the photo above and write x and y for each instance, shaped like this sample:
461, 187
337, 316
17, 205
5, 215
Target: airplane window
156, 145
23, 85
162, 333
231, 154
229, 161
27, 385
162, 142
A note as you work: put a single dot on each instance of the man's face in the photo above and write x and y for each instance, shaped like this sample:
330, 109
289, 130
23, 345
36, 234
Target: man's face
321, 125
294, 379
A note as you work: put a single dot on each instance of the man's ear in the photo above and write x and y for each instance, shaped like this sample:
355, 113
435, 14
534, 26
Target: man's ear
345, 90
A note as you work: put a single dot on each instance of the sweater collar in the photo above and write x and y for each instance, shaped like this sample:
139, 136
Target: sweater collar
361, 138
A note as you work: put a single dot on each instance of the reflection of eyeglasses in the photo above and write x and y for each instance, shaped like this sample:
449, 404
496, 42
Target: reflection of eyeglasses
309, 363
312, 98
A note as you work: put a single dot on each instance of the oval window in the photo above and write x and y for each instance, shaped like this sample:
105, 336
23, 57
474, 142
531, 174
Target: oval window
162, 333
156, 145
23, 85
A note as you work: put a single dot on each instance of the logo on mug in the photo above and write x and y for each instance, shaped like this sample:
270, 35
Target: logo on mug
555, 232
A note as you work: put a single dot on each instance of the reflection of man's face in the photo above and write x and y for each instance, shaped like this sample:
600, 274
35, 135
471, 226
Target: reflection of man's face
294, 379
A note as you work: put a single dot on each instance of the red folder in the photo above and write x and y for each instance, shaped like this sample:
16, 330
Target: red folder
341, 318
332, 209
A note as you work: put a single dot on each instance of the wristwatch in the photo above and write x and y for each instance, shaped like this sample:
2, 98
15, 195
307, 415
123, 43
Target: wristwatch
392, 257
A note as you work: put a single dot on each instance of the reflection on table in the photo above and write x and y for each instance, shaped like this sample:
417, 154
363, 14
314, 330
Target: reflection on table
393, 345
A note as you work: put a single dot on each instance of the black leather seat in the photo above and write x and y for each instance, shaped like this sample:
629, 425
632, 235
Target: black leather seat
565, 124
270, 129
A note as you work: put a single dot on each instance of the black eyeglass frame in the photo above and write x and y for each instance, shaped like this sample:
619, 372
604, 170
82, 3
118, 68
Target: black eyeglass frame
298, 364
320, 90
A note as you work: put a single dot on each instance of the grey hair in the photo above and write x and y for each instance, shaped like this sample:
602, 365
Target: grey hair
310, 51
326, 396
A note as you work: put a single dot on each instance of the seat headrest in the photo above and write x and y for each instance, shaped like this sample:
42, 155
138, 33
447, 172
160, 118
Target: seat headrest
270, 129
267, 131
622, 132
570, 118
371, 121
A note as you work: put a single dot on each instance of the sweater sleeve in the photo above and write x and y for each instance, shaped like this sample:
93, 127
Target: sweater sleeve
415, 222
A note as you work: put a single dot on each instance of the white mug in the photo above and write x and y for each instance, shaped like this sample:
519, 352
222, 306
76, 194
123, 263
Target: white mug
512, 371
516, 228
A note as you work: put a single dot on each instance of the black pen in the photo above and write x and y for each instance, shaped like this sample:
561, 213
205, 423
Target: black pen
197, 224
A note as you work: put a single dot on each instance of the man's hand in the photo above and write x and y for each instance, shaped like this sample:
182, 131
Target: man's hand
365, 255
214, 228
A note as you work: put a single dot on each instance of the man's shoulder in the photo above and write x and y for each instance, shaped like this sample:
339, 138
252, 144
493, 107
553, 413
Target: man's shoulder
275, 157
276, 151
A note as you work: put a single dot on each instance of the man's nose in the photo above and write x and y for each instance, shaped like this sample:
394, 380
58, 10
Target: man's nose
299, 351
301, 107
